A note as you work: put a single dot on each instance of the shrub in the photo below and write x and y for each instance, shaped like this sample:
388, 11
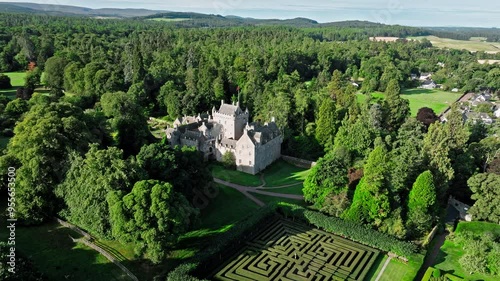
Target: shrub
354, 231
5, 82
229, 160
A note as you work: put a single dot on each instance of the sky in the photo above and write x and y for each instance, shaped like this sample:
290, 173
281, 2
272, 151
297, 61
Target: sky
477, 13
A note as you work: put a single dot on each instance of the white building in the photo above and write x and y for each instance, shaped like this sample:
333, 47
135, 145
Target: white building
253, 145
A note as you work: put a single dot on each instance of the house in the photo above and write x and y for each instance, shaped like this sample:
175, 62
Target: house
454, 90
425, 76
474, 117
428, 84
254, 146
482, 98
413, 76
355, 84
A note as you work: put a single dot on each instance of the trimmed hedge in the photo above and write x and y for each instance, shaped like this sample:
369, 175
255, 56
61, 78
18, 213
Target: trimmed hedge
428, 273
353, 231
220, 244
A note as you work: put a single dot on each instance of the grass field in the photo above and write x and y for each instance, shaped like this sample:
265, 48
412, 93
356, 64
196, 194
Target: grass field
230, 175
295, 189
56, 256
17, 80
436, 99
395, 270
270, 199
284, 173
473, 45
450, 252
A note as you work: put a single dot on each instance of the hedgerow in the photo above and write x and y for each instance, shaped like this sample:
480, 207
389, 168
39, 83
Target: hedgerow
351, 230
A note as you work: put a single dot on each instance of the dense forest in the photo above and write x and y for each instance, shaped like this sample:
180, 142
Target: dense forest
378, 166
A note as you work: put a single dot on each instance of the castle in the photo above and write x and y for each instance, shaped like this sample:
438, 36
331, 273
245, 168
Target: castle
253, 145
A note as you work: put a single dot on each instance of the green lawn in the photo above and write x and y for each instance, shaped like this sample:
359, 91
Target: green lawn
230, 175
450, 252
270, 199
296, 189
17, 80
56, 256
436, 99
284, 173
376, 267
397, 270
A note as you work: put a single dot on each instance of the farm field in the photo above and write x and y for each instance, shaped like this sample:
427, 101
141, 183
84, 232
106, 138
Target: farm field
450, 252
473, 45
436, 99
288, 250
169, 20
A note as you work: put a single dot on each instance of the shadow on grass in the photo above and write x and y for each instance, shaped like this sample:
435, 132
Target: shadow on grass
373, 270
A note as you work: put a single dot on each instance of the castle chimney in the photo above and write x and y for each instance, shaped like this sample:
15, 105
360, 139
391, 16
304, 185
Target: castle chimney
222, 102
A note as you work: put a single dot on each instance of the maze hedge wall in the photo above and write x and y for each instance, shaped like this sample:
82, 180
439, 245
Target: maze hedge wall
350, 230
286, 250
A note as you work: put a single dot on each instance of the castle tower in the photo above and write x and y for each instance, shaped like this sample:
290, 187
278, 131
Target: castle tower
232, 118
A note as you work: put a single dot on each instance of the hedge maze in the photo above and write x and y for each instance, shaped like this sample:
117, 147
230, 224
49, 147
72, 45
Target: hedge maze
288, 251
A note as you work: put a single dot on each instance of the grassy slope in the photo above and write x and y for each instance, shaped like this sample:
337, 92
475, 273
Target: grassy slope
55, 255
436, 99
284, 173
270, 199
450, 253
218, 171
471, 45
296, 189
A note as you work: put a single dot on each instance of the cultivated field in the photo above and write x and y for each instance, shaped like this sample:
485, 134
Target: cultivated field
474, 45
169, 20
287, 250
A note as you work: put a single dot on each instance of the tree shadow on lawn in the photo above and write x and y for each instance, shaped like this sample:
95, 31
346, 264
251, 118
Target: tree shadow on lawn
10, 93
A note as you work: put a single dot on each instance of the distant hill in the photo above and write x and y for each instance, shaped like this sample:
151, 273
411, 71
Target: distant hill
73, 10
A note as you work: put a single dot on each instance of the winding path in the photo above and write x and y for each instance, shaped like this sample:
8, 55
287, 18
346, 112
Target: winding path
247, 189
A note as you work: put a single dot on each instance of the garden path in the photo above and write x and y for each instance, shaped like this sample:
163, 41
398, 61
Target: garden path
246, 189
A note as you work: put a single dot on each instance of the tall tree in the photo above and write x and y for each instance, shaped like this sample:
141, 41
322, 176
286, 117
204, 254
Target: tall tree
328, 177
59, 128
371, 198
422, 203
54, 74
396, 109
326, 124
87, 183
152, 215
486, 192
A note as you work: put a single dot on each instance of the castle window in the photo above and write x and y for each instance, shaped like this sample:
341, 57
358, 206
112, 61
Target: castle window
240, 161
249, 162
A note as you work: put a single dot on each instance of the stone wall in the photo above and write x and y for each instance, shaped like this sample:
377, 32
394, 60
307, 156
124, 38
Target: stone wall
302, 163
